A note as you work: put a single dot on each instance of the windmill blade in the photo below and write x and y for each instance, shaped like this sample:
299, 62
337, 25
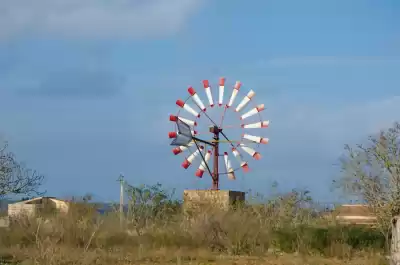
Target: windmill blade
235, 91
253, 111
250, 151
245, 100
181, 148
187, 121
207, 87
256, 139
196, 98
189, 160
203, 165
261, 124
187, 107
221, 91
242, 163
228, 166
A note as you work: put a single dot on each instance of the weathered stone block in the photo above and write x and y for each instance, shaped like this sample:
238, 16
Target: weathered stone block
211, 199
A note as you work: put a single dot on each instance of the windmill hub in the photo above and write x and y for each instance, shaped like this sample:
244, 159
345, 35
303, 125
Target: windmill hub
215, 129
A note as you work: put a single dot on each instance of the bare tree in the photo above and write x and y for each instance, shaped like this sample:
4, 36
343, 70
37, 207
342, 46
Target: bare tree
15, 178
371, 171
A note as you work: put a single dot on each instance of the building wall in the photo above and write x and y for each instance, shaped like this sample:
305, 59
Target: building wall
354, 214
35, 206
21, 209
62, 206
4, 221
358, 220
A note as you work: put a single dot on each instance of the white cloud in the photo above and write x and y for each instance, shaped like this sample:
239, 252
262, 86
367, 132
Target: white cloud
94, 18
333, 126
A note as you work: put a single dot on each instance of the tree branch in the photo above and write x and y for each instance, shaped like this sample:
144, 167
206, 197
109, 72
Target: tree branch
15, 178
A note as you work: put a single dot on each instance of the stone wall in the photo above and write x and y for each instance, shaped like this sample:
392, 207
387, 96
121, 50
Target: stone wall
211, 199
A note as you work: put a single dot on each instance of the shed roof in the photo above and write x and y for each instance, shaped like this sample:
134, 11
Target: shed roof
34, 199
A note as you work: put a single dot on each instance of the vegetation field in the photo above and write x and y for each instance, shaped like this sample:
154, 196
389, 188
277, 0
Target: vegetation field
156, 231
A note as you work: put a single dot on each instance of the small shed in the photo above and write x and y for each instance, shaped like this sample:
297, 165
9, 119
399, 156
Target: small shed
357, 214
37, 205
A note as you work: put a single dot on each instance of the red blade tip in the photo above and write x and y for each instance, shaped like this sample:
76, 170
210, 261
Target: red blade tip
173, 118
238, 85
180, 103
191, 91
176, 151
199, 173
257, 156
172, 134
185, 164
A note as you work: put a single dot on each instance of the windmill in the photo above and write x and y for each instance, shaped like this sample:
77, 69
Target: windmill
215, 141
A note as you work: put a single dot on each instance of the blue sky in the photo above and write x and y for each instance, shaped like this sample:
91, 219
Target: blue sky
86, 87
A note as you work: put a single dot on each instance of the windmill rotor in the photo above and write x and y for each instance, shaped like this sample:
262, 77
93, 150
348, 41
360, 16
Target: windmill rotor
213, 143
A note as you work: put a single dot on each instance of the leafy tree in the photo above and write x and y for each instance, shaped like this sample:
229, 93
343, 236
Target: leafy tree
371, 171
15, 178
148, 204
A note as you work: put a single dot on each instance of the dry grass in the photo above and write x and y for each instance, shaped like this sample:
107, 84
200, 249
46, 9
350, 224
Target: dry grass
125, 256
273, 233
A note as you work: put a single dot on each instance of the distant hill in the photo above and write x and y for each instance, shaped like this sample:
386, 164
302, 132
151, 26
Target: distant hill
103, 208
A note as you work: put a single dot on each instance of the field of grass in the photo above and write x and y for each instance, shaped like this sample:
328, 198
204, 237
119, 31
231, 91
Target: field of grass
270, 233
